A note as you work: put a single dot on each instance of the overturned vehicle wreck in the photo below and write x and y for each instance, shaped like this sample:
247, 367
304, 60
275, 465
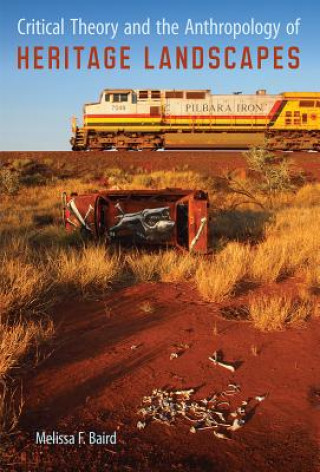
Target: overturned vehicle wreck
170, 217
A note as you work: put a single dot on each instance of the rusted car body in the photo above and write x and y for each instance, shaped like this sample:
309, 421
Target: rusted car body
170, 217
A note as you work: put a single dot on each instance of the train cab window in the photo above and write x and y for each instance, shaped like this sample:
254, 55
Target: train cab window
174, 94
297, 114
107, 97
304, 118
288, 121
120, 97
288, 113
155, 94
196, 95
143, 94
318, 104
306, 103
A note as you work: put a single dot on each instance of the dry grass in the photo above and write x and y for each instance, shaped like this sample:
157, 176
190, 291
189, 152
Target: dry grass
168, 179
177, 267
143, 266
291, 243
87, 271
17, 339
29, 282
308, 195
20, 345
24, 287
312, 275
274, 312
165, 266
217, 278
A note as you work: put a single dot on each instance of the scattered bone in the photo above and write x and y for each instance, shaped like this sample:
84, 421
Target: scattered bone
215, 360
233, 389
236, 387
204, 428
261, 398
241, 411
220, 415
183, 392
229, 392
173, 355
223, 404
167, 406
220, 435
141, 425
237, 424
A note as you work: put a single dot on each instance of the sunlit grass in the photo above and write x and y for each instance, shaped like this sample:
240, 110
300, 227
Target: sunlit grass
217, 277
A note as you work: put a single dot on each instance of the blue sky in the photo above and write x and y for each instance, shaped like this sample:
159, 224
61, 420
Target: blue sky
36, 106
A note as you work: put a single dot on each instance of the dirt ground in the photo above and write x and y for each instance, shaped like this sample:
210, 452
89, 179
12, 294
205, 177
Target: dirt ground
95, 381
209, 162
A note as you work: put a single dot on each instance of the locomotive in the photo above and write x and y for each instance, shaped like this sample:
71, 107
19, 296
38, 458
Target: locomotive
127, 119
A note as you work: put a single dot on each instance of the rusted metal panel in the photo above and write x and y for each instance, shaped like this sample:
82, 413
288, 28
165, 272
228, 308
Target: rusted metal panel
170, 217
80, 213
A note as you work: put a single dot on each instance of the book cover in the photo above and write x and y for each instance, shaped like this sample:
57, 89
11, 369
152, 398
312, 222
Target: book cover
159, 236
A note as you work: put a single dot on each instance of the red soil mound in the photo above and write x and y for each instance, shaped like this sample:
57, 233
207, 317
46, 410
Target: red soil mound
95, 381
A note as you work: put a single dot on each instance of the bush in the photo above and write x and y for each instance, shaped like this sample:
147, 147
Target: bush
33, 180
21, 163
9, 182
274, 173
274, 312
217, 278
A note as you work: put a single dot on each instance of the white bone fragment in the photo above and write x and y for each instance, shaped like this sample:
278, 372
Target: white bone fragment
221, 435
203, 428
173, 355
184, 392
192, 429
219, 414
230, 393
141, 425
220, 363
222, 402
237, 424
260, 398
241, 410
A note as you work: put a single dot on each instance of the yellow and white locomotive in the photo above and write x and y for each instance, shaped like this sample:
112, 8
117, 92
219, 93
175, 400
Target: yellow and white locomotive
151, 119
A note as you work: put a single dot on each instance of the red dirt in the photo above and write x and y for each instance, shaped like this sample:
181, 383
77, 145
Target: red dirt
95, 381
209, 162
